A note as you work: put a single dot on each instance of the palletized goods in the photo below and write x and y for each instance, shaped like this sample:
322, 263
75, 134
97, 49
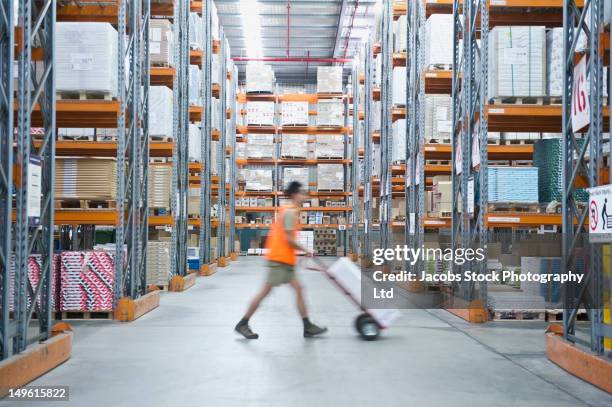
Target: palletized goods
85, 178
549, 291
329, 79
513, 185
160, 111
330, 112
195, 142
260, 113
400, 34
86, 58
257, 179
161, 43
195, 82
260, 146
398, 152
196, 39
438, 120
259, 78
554, 62
160, 185
517, 61
299, 174
399, 85
294, 146
87, 281
329, 146
158, 262
330, 177
439, 40
34, 278
294, 113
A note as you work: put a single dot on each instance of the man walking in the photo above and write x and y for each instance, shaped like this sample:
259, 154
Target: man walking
281, 248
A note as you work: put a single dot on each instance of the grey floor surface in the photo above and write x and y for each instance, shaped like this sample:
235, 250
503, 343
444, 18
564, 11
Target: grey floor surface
185, 353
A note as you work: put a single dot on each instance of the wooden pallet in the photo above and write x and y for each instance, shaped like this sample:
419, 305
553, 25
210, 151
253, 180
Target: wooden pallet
519, 142
439, 141
516, 100
86, 315
440, 67
75, 138
330, 190
161, 138
518, 315
329, 158
557, 315
260, 93
295, 126
437, 162
513, 207
85, 204
161, 65
159, 211
83, 95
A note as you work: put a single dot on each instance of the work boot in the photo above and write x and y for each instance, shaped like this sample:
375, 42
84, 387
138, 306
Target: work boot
313, 330
245, 330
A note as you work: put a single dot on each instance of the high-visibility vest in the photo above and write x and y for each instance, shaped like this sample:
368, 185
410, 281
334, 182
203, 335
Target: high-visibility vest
278, 248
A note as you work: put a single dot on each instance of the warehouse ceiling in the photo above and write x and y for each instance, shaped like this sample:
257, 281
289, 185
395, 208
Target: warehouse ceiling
315, 29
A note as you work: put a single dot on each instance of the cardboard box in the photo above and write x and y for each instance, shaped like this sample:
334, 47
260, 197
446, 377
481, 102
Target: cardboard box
329, 79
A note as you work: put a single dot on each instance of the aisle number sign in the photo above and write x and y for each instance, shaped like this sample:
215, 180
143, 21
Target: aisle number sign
581, 112
600, 214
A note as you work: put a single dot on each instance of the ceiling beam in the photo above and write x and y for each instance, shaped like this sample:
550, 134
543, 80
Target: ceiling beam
340, 26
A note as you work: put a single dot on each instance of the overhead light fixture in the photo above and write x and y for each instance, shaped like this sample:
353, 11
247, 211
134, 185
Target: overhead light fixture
251, 26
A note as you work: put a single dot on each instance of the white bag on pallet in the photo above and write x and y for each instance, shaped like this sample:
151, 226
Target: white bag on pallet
517, 61
400, 34
260, 113
160, 111
330, 177
195, 84
260, 146
299, 174
196, 37
294, 113
259, 78
330, 112
329, 146
294, 146
398, 152
438, 118
439, 40
195, 142
399, 85
161, 43
86, 58
329, 79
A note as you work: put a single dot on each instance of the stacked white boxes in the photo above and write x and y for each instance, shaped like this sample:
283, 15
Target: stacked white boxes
215, 119
86, 58
376, 160
259, 78
160, 185
330, 177
294, 113
260, 146
554, 62
215, 150
195, 82
330, 112
305, 238
299, 174
258, 179
214, 77
517, 64
193, 202
439, 40
438, 118
160, 111
399, 85
400, 34
158, 263
161, 43
329, 79
398, 153
375, 113
196, 36
240, 150
294, 146
329, 146
260, 113
195, 142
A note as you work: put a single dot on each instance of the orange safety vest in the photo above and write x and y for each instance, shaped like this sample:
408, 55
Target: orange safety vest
278, 248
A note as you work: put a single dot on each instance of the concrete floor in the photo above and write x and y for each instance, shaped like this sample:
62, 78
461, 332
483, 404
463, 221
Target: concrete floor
185, 353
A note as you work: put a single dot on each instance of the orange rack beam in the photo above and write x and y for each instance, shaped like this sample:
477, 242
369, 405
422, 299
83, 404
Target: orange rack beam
496, 152
162, 76
438, 82
104, 148
73, 113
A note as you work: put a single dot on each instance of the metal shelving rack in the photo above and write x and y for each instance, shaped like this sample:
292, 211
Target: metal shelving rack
232, 158
366, 247
181, 154
415, 127
221, 153
590, 296
354, 233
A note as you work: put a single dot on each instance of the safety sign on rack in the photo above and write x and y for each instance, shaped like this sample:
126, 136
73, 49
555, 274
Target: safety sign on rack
600, 214
581, 112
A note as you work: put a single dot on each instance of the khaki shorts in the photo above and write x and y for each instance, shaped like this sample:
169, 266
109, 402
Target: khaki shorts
279, 273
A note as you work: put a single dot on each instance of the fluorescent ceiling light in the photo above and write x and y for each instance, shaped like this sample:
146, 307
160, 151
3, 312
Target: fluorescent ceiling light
251, 27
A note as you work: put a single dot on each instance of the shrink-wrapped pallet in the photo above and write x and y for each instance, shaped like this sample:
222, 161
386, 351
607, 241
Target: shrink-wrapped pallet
259, 78
330, 112
294, 146
400, 32
257, 179
260, 113
299, 174
160, 185
399, 85
158, 263
329, 146
517, 61
195, 142
216, 115
554, 62
294, 113
85, 178
398, 152
438, 118
87, 281
161, 43
513, 185
330, 177
193, 202
161, 111
549, 291
86, 58
34, 265
439, 41
195, 84
260, 146
196, 38
329, 79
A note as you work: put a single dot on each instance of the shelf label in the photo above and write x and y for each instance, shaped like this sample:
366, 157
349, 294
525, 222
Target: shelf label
581, 112
470, 196
498, 2
497, 111
411, 224
503, 219
600, 214
34, 190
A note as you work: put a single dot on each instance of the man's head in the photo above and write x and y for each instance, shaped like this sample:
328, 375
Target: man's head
294, 192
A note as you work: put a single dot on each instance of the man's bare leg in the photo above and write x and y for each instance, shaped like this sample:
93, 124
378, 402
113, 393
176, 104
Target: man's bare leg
310, 329
243, 326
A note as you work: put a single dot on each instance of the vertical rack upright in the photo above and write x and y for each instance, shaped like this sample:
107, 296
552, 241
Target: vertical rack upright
366, 247
221, 152
232, 159
354, 244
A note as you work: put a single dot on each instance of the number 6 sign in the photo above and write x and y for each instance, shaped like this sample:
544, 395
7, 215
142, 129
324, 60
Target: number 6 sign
581, 113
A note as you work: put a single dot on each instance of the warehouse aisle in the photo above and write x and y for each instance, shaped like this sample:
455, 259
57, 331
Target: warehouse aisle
185, 353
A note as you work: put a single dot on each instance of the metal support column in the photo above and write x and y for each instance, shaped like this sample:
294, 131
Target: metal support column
7, 33
588, 23
366, 248
36, 172
221, 152
205, 176
386, 132
355, 159
232, 158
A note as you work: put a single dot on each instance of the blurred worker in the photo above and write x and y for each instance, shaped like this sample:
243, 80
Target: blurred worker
281, 248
